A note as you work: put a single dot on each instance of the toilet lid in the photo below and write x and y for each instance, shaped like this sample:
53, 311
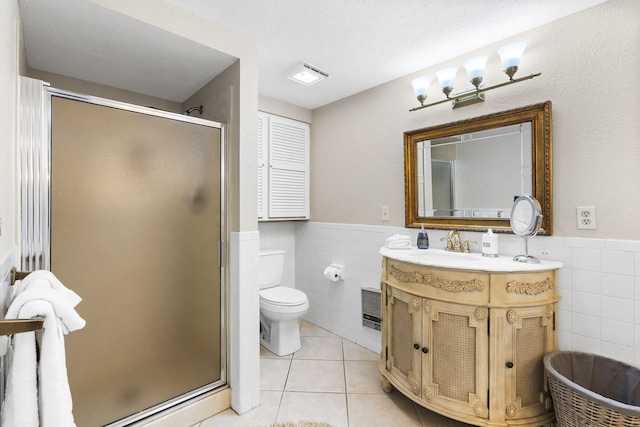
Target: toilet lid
283, 295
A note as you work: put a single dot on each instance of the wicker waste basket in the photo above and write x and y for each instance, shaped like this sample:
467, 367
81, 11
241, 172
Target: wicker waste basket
591, 390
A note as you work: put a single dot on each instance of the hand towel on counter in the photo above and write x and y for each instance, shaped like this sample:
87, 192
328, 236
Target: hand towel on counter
398, 241
37, 390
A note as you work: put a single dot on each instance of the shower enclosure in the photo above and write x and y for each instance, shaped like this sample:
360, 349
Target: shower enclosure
125, 205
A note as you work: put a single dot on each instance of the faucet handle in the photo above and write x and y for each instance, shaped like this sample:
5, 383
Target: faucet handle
466, 245
449, 243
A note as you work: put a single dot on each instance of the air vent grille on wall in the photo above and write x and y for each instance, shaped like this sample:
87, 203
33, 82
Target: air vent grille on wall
371, 314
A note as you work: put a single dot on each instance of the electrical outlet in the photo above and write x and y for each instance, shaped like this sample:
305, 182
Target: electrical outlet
385, 213
586, 216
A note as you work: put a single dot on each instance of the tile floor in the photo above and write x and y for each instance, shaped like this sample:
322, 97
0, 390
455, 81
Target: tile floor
329, 380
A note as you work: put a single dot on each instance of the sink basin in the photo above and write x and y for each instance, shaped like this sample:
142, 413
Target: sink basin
440, 258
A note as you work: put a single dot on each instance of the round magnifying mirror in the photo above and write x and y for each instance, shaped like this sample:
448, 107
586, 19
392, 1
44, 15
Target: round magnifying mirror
526, 217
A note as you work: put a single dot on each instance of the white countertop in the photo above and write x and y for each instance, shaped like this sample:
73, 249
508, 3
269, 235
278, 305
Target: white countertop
465, 261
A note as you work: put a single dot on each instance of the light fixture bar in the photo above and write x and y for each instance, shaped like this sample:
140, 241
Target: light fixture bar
468, 98
468, 94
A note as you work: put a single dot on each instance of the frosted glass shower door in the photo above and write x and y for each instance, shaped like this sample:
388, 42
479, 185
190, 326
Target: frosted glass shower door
136, 231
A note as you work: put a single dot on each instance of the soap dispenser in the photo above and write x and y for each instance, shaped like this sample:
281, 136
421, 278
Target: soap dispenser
490, 244
423, 239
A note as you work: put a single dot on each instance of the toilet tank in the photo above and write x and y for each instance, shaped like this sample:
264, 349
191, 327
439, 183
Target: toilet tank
271, 266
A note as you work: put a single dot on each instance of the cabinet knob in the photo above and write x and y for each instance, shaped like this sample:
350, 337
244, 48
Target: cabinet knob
416, 346
509, 365
425, 350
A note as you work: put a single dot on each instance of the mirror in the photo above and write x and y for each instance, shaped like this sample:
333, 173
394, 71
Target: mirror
526, 216
466, 175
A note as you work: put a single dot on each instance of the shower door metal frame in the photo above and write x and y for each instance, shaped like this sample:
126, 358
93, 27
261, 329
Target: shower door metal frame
34, 167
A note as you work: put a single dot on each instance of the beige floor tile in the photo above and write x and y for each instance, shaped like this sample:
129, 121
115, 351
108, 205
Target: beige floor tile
381, 410
362, 377
432, 419
310, 330
316, 376
320, 348
330, 408
265, 414
353, 351
273, 373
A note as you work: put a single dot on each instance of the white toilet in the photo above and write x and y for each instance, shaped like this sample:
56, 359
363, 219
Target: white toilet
280, 306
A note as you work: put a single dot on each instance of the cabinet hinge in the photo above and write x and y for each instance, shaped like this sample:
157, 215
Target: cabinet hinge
489, 326
386, 354
488, 404
554, 320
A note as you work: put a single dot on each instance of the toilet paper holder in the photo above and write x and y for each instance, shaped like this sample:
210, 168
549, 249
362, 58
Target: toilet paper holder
334, 272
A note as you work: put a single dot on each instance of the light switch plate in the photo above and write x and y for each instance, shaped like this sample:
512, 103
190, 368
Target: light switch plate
385, 213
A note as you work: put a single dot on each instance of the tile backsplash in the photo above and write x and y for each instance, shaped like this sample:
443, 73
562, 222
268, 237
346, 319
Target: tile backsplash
599, 283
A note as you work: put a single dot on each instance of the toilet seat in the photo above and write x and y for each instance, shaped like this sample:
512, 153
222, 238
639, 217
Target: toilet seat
283, 296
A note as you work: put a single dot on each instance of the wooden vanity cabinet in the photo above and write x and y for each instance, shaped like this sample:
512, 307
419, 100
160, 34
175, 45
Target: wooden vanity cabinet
469, 344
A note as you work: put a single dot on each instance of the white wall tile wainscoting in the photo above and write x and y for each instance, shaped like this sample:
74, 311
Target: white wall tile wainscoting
599, 283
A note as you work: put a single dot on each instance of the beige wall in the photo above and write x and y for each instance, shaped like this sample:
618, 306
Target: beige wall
89, 88
589, 64
219, 99
284, 109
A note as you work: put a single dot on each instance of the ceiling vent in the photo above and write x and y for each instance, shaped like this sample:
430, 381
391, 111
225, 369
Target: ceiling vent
305, 74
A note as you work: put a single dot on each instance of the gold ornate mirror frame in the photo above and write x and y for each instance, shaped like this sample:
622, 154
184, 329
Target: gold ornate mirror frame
539, 115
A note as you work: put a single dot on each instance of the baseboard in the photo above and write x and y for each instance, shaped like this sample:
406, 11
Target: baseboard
195, 412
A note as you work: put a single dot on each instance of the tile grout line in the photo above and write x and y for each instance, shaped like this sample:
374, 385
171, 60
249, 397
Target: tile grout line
344, 373
284, 387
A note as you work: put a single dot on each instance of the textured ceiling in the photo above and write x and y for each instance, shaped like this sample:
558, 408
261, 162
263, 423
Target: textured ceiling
360, 43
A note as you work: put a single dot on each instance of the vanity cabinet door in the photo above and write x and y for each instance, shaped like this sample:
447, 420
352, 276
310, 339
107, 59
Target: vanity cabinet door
454, 369
523, 336
404, 317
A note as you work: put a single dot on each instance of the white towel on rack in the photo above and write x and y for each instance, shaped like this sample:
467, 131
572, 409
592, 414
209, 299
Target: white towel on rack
70, 319
21, 391
39, 386
45, 278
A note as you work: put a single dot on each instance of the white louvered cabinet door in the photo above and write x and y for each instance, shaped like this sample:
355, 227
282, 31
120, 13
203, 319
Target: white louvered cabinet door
288, 187
262, 145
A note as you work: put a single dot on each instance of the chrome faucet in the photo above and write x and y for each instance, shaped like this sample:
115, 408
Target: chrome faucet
454, 243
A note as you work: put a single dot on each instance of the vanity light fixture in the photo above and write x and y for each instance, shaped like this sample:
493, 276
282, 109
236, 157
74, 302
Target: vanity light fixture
510, 55
305, 74
421, 87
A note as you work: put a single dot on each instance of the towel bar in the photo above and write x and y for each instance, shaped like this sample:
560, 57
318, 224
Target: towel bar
17, 275
10, 327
